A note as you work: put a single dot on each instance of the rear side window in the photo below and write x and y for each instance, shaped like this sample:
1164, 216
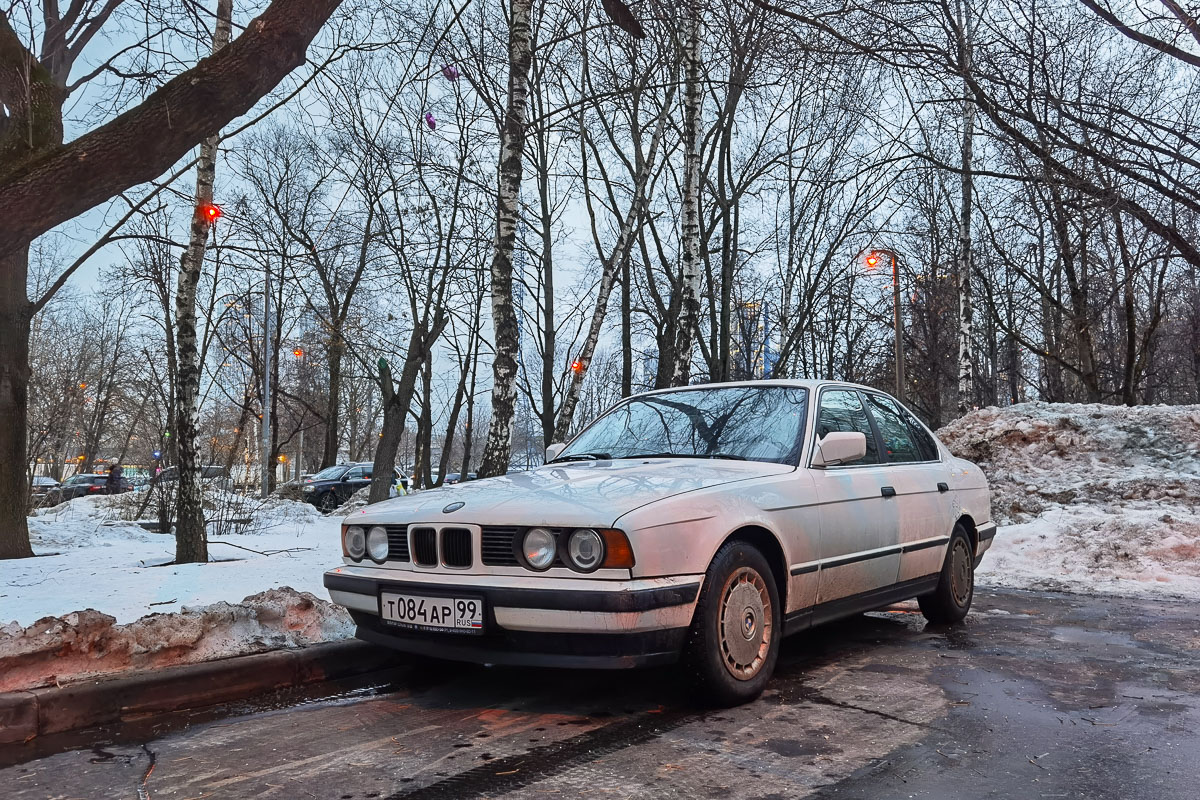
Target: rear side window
899, 438
841, 410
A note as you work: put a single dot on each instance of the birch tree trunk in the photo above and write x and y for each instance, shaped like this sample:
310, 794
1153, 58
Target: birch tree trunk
690, 262
617, 260
190, 530
966, 301
498, 446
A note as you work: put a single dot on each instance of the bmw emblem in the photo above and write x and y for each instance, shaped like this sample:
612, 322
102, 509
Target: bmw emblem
453, 507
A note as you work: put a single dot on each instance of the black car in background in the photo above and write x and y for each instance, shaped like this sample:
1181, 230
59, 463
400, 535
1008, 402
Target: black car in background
333, 486
81, 485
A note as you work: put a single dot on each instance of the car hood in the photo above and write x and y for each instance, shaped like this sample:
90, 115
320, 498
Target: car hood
583, 493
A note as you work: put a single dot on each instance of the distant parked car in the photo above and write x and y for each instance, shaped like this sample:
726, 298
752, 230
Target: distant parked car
82, 485
42, 485
334, 485
456, 477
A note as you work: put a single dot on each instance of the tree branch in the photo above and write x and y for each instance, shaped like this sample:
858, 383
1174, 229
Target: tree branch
140, 144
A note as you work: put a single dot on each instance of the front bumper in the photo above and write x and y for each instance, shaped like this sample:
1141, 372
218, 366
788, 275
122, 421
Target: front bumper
577, 623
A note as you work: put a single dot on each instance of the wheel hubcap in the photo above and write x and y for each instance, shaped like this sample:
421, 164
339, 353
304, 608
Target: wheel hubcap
746, 626
961, 576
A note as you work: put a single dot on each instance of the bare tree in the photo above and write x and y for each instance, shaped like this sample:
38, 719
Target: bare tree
504, 317
44, 182
191, 543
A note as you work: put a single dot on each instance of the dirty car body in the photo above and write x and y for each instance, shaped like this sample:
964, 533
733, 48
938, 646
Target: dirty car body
704, 522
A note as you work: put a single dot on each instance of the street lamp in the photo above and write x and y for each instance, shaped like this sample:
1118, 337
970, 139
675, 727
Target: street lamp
872, 261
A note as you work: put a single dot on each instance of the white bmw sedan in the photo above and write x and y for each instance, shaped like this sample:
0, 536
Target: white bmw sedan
699, 524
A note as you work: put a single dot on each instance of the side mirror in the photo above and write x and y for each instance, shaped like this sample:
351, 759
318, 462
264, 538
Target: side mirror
839, 447
554, 450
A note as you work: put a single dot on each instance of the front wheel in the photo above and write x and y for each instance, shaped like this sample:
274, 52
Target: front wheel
733, 643
951, 600
327, 502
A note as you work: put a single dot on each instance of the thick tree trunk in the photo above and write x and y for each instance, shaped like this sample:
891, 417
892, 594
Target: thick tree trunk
15, 315
424, 465
396, 402
329, 453
498, 447
966, 302
689, 285
190, 531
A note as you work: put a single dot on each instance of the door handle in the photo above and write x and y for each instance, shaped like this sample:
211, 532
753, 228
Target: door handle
888, 491
942, 487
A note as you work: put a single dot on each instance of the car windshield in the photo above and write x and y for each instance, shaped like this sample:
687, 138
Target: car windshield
329, 474
753, 423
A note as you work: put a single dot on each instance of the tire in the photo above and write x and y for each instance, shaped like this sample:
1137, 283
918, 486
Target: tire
951, 600
739, 590
327, 502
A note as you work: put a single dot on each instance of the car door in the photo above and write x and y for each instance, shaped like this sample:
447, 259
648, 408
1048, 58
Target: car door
859, 546
355, 479
921, 483
74, 487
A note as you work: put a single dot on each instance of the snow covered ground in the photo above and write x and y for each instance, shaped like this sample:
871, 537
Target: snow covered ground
1089, 498
89, 558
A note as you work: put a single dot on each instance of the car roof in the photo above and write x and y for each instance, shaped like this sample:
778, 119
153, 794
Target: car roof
801, 383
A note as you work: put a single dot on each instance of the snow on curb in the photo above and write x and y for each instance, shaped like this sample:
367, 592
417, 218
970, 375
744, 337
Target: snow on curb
88, 644
1089, 498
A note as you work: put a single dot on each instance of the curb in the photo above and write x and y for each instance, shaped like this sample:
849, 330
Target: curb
25, 715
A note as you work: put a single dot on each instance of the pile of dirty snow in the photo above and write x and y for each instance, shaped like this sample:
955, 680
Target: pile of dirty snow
88, 644
1089, 497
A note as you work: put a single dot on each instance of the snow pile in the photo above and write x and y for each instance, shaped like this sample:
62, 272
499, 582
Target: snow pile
1089, 497
87, 644
103, 594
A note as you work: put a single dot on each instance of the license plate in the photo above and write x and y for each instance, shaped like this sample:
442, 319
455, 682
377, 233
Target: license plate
463, 614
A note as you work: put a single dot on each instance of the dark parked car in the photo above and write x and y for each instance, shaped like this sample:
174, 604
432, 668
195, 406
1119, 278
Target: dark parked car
456, 477
81, 485
41, 487
333, 486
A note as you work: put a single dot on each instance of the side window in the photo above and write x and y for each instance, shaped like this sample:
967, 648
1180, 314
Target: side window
924, 439
354, 474
841, 410
897, 437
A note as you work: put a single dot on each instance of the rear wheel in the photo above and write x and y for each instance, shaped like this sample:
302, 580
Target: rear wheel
733, 643
951, 600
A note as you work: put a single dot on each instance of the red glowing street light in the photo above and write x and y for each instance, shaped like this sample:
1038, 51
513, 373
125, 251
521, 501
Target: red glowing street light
577, 366
298, 353
872, 261
210, 212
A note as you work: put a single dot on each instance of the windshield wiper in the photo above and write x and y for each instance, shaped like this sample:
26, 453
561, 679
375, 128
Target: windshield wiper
730, 456
582, 457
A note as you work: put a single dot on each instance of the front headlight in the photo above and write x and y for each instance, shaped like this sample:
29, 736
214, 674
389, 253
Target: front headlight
377, 543
356, 542
539, 548
310, 488
585, 550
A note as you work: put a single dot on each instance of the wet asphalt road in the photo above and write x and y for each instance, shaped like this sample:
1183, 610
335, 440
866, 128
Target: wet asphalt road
1035, 696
